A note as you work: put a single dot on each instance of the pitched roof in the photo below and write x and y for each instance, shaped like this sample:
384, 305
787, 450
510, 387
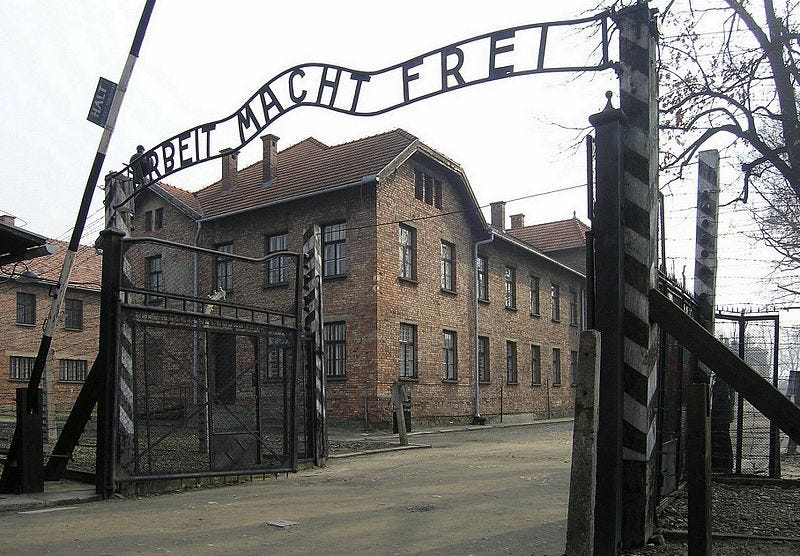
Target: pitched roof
552, 236
184, 200
86, 270
306, 168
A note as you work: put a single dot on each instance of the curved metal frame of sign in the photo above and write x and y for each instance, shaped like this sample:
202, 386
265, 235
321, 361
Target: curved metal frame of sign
193, 146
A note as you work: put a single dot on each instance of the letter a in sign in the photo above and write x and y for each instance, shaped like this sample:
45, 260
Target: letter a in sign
101, 103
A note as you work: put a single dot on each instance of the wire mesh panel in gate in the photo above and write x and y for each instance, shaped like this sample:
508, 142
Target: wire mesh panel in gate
208, 366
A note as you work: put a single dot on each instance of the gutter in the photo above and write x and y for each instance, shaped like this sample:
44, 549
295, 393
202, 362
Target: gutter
476, 415
370, 179
519, 243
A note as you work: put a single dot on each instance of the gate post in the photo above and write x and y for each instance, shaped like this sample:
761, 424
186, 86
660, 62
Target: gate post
111, 241
312, 320
638, 100
608, 306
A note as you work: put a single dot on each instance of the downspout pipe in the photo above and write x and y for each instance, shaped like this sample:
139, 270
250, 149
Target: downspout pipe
476, 416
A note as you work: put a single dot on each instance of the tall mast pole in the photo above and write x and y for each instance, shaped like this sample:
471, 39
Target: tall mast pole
77, 231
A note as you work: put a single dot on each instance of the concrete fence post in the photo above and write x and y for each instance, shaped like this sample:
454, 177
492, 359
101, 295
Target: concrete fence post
580, 519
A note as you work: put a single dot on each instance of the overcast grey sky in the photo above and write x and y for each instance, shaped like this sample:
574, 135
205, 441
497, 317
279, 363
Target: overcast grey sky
202, 59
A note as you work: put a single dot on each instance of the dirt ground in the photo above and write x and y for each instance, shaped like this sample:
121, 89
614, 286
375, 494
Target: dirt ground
487, 491
490, 491
766, 515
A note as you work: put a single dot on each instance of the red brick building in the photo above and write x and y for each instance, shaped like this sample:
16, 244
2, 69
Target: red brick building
401, 229
25, 301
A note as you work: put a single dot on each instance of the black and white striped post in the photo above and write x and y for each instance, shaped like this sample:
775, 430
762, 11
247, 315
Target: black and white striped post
638, 100
312, 317
625, 231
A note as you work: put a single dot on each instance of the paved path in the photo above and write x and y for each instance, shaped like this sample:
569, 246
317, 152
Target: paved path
489, 491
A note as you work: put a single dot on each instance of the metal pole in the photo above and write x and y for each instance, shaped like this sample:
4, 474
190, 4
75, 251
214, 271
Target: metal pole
774, 432
740, 405
590, 279
77, 231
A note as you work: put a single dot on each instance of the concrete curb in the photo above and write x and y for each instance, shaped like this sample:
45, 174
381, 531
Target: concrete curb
27, 502
379, 451
460, 428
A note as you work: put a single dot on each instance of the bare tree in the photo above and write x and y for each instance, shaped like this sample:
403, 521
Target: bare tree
729, 71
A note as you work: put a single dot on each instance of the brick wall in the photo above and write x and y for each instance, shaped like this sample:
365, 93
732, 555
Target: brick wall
423, 303
23, 341
502, 325
373, 301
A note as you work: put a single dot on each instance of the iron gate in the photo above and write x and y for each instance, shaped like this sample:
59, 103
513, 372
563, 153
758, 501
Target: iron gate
211, 373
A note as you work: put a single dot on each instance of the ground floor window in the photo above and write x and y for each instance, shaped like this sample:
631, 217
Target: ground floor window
21, 367
449, 366
335, 349
511, 362
72, 370
408, 351
483, 359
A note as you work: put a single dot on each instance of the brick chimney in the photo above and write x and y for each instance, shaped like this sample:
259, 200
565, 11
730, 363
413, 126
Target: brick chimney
499, 215
8, 220
230, 168
517, 221
270, 161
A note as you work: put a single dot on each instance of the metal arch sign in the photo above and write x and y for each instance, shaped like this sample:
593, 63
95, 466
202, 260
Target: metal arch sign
501, 54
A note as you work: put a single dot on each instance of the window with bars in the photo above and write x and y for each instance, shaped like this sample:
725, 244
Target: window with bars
408, 351
72, 370
511, 362
573, 307
334, 262
484, 375
154, 277
21, 367
223, 268
335, 349
536, 364
407, 253
511, 288
26, 308
449, 359
448, 282
278, 267
73, 314
483, 278
556, 366
536, 303
555, 302
278, 355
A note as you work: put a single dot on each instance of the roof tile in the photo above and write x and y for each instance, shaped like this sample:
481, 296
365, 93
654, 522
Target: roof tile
552, 236
307, 167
